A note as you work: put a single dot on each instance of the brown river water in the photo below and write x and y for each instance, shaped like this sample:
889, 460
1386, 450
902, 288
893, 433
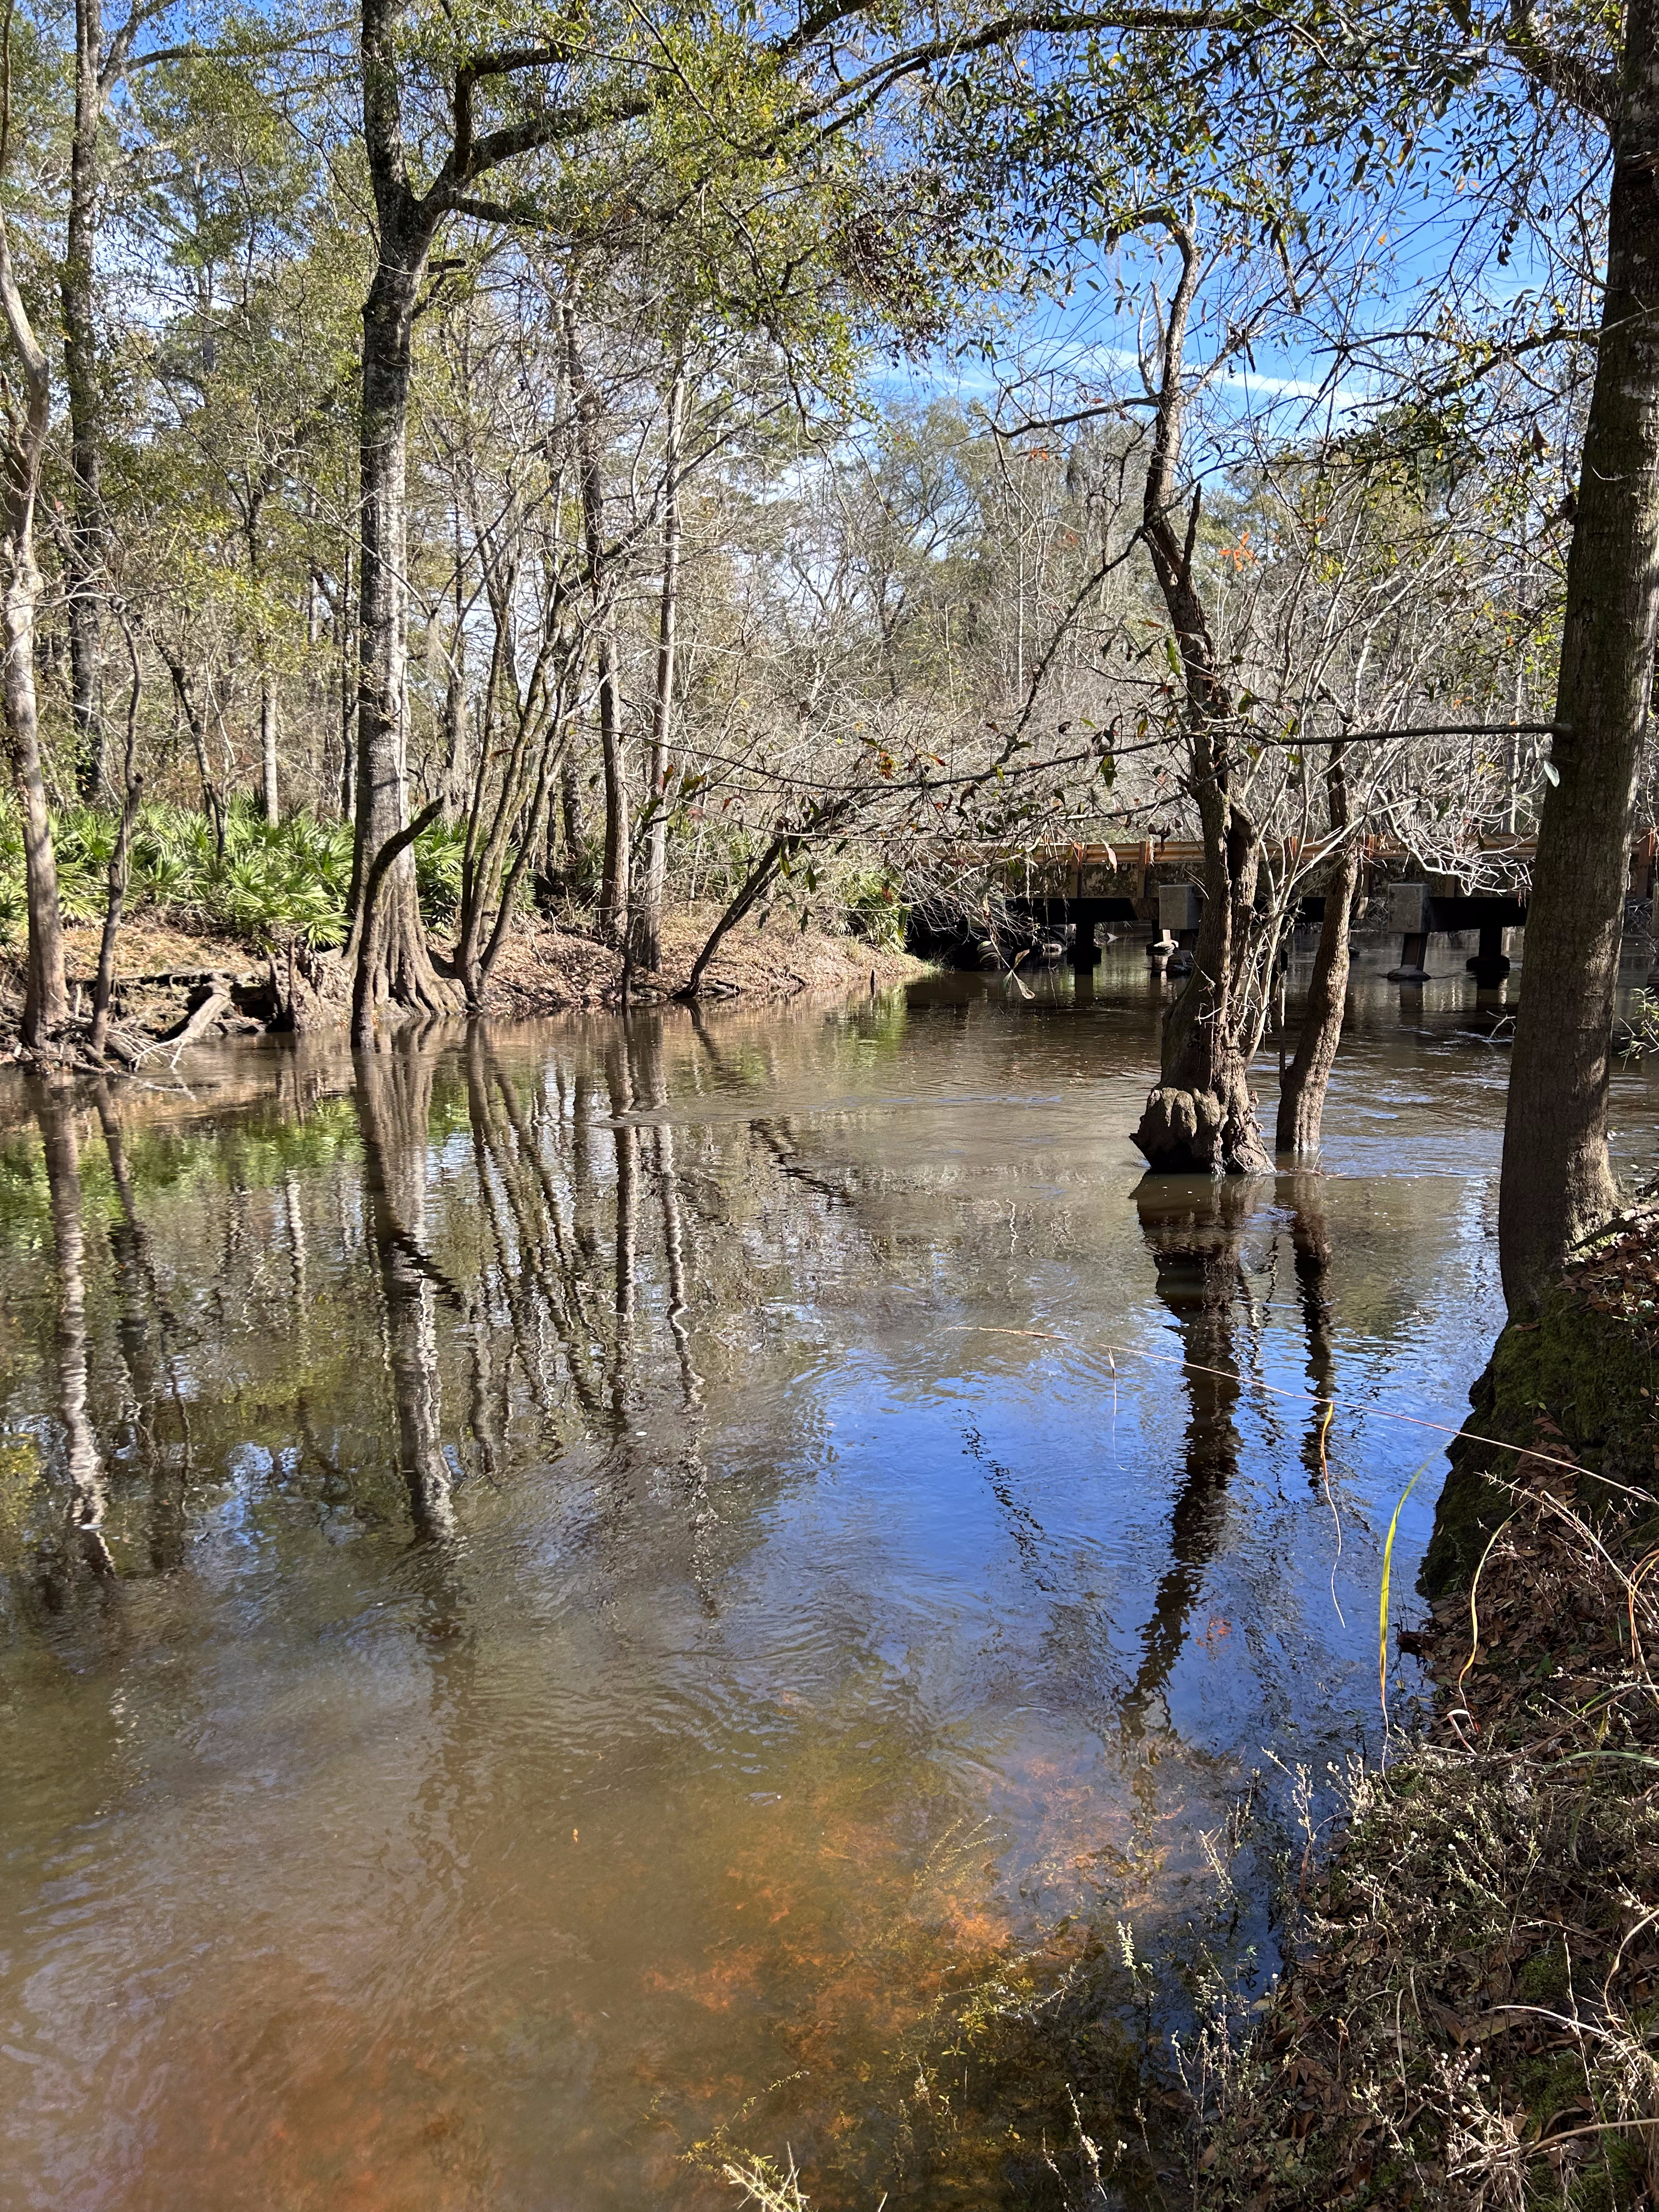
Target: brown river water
584, 1595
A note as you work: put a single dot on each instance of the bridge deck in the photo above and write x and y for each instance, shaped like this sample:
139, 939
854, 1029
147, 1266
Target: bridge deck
1094, 870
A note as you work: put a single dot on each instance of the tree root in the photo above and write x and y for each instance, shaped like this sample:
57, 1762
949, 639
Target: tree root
1196, 1132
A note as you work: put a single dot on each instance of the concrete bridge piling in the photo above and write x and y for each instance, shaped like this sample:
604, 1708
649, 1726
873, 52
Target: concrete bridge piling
1442, 907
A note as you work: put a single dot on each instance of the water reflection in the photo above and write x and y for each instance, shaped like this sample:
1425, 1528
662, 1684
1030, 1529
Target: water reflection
563, 1586
84, 1462
394, 1107
1194, 1229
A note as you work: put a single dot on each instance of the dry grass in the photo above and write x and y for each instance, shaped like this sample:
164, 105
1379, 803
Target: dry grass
1471, 2017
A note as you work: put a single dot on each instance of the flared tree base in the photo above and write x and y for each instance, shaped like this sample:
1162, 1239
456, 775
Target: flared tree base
1201, 1132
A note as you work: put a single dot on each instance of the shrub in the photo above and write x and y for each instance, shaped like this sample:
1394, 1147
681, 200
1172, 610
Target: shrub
273, 883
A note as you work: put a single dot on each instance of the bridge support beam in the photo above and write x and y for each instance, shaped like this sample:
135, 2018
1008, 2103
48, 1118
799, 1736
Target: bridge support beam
1413, 953
1489, 964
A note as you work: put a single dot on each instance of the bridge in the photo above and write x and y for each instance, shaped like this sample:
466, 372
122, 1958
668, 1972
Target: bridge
1089, 885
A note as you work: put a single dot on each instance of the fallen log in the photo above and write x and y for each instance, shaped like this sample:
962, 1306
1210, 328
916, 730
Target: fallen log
211, 1010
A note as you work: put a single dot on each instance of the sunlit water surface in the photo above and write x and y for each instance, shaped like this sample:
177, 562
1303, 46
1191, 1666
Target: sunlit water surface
639, 1567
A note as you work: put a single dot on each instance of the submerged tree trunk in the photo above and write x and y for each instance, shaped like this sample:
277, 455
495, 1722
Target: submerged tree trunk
1200, 1116
1301, 1093
83, 1461
647, 918
45, 1001
1557, 1184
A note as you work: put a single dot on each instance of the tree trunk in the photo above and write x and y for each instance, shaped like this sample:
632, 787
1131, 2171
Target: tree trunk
647, 919
571, 816
212, 803
1200, 1116
133, 796
781, 848
348, 690
618, 829
1302, 1094
1557, 1184
86, 519
395, 975
45, 1000
268, 748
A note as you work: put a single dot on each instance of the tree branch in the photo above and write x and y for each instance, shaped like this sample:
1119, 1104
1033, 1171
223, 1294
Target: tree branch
1580, 83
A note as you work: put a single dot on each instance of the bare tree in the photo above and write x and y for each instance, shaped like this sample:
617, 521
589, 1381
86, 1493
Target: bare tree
28, 409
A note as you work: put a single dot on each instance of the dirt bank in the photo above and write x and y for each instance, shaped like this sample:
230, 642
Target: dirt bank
161, 965
543, 969
1471, 2017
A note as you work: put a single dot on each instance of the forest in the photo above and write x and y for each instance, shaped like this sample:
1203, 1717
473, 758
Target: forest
814, 462
596, 593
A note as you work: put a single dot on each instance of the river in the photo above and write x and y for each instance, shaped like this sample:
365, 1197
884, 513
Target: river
583, 1597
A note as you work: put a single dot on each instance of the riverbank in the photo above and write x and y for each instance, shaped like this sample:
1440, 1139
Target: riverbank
1469, 2014
164, 966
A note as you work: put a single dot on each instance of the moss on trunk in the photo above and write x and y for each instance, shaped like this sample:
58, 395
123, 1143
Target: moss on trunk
1587, 1368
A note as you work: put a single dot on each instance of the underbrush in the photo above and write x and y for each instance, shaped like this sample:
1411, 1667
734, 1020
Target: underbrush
270, 883
1471, 2016
288, 883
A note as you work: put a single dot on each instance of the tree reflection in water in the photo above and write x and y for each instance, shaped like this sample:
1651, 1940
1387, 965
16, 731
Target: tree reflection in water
394, 1109
83, 1461
149, 1335
1311, 1247
1194, 1228
748, 1725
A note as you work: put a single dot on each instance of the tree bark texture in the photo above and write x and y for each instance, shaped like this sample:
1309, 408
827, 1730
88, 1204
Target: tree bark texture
86, 518
648, 921
395, 975
45, 1000
1556, 1185
1301, 1093
268, 749
614, 887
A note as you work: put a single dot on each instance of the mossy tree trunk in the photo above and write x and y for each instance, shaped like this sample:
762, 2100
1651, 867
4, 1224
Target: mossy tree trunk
1557, 1184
